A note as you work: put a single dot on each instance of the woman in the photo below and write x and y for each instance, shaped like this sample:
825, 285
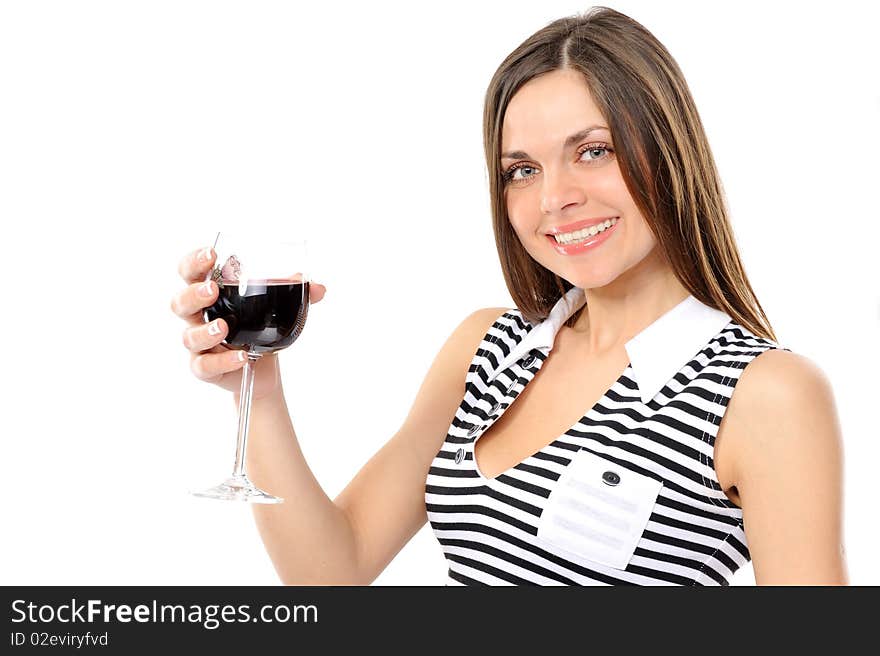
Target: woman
632, 302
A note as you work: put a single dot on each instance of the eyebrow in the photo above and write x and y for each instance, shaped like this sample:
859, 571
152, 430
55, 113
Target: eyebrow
569, 142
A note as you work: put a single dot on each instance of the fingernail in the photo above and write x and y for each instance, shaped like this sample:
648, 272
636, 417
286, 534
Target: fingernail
242, 356
214, 328
205, 289
205, 255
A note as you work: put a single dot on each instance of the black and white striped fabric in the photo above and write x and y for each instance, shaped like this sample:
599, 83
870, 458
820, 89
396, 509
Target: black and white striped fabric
629, 494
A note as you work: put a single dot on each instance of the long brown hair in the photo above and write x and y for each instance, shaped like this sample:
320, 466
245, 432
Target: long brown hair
663, 153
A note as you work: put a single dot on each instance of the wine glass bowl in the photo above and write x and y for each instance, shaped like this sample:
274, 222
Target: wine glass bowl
264, 316
264, 299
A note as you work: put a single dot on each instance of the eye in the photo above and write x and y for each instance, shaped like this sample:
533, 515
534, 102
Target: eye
521, 171
592, 148
511, 175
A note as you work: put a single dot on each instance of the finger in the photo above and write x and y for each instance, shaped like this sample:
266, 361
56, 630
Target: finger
316, 289
196, 265
316, 292
211, 366
205, 336
189, 302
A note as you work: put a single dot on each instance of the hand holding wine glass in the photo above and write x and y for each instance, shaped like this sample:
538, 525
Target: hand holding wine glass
210, 360
252, 302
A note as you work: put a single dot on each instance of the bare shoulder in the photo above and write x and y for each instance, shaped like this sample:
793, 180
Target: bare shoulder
775, 363
464, 341
481, 320
789, 469
444, 383
779, 395
780, 382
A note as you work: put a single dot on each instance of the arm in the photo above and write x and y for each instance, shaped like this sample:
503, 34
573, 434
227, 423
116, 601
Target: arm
789, 472
314, 540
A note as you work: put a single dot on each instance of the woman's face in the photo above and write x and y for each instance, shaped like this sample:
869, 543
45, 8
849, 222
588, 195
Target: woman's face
555, 179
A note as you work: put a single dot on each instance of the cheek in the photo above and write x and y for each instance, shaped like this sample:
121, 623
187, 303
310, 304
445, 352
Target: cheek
639, 237
523, 230
510, 202
521, 211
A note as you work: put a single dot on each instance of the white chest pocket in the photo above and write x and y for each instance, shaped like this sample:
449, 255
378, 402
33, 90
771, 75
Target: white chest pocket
598, 510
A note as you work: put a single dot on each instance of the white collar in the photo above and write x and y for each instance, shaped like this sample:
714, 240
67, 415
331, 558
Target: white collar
656, 353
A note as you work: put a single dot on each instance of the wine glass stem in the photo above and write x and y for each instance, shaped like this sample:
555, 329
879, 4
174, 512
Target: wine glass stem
244, 412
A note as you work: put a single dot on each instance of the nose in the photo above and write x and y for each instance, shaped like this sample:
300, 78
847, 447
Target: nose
560, 190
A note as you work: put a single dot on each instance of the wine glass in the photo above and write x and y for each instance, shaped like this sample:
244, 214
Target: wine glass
264, 299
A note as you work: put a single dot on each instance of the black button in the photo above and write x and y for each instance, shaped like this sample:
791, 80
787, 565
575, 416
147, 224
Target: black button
495, 408
459, 456
610, 478
529, 361
510, 388
473, 430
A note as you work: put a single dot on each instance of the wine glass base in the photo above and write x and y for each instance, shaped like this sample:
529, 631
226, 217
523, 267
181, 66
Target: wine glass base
238, 488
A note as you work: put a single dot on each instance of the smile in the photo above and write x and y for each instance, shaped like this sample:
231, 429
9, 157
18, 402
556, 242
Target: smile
578, 235
583, 241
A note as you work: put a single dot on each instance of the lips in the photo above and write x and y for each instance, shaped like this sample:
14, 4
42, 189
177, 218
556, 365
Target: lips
586, 245
578, 225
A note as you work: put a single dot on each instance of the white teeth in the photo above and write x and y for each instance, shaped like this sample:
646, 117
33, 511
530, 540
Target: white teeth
578, 235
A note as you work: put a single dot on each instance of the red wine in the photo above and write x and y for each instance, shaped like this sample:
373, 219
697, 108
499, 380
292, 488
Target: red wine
269, 317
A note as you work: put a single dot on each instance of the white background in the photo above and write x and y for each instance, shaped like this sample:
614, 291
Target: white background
129, 131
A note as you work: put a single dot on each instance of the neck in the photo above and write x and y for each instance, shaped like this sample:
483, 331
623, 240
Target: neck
616, 312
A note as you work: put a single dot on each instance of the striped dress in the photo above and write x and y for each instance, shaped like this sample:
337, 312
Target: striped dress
629, 494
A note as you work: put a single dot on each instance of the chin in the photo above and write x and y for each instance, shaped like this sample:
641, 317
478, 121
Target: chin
588, 272
589, 279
